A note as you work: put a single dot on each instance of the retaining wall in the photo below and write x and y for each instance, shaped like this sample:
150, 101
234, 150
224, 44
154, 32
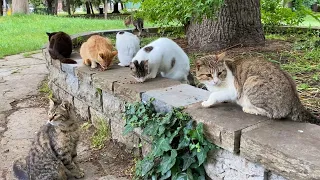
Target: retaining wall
252, 147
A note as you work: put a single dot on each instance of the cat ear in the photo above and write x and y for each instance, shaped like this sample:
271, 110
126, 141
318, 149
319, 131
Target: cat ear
198, 64
229, 65
65, 104
220, 56
51, 103
48, 33
114, 53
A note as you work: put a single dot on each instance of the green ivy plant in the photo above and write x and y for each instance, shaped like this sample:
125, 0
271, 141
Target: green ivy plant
179, 147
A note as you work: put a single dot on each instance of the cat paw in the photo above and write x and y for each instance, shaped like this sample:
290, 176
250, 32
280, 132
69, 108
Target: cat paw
206, 104
80, 174
249, 111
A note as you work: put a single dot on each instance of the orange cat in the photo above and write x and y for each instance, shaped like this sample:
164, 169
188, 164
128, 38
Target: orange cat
97, 49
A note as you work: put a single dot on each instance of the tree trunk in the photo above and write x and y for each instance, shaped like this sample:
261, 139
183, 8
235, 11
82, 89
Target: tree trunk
88, 7
20, 6
50, 6
121, 5
1, 7
115, 8
106, 9
68, 6
237, 22
92, 12
55, 7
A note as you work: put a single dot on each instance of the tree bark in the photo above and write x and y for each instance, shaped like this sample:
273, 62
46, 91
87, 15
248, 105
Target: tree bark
92, 12
88, 7
237, 22
1, 7
68, 6
50, 6
106, 9
20, 6
116, 8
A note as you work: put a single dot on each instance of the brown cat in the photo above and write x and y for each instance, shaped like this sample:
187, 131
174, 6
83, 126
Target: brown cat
60, 47
97, 49
257, 85
53, 151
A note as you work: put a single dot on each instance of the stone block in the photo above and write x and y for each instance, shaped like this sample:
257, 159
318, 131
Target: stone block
104, 80
222, 164
57, 77
91, 95
223, 123
111, 104
82, 109
71, 84
84, 74
97, 116
287, 148
70, 68
272, 176
175, 96
131, 140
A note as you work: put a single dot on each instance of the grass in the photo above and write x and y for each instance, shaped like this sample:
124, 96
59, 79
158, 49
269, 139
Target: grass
24, 33
101, 134
44, 88
310, 21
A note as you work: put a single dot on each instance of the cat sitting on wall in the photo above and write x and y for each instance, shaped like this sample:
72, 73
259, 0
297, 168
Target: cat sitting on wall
162, 56
54, 149
60, 47
97, 50
127, 45
257, 85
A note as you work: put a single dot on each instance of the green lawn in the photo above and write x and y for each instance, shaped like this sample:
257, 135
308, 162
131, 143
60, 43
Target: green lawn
23, 33
310, 21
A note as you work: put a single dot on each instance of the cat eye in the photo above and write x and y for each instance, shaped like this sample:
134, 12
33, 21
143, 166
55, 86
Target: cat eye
208, 75
219, 73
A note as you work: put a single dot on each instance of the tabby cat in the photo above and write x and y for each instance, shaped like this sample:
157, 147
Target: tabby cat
137, 23
60, 47
53, 151
257, 85
97, 49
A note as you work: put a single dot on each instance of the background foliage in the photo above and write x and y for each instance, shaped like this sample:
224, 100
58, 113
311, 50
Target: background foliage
179, 148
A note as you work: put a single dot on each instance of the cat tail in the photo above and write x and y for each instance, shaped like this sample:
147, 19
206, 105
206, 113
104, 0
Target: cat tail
62, 59
303, 115
20, 169
191, 79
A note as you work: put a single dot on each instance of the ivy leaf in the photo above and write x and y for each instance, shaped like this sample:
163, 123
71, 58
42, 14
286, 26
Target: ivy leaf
166, 176
168, 162
150, 129
181, 176
184, 143
175, 133
161, 130
147, 165
189, 174
127, 128
202, 155
188, 159
198, 133
162, 145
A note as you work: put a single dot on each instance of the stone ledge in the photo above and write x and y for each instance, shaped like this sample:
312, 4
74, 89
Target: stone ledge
224, 123
288, 148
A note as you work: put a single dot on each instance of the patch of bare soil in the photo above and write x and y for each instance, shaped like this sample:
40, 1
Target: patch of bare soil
275, 50
113, 159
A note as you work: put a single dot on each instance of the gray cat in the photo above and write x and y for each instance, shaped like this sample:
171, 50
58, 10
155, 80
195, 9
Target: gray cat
53, 150
137, 23
257, 85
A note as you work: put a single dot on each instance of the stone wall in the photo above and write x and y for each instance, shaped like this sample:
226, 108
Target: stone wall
252, 147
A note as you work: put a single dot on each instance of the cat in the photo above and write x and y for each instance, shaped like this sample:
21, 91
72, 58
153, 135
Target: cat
257, 85
162, 56
97, 49
53, 151
127, 45
137, 23
60, 47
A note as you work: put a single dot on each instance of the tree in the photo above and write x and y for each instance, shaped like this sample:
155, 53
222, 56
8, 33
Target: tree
210, 24
20, 6
116, 7
1, 7
237, 22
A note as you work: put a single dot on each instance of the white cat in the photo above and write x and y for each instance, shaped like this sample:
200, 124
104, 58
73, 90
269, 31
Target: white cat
127, 45
162, 56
